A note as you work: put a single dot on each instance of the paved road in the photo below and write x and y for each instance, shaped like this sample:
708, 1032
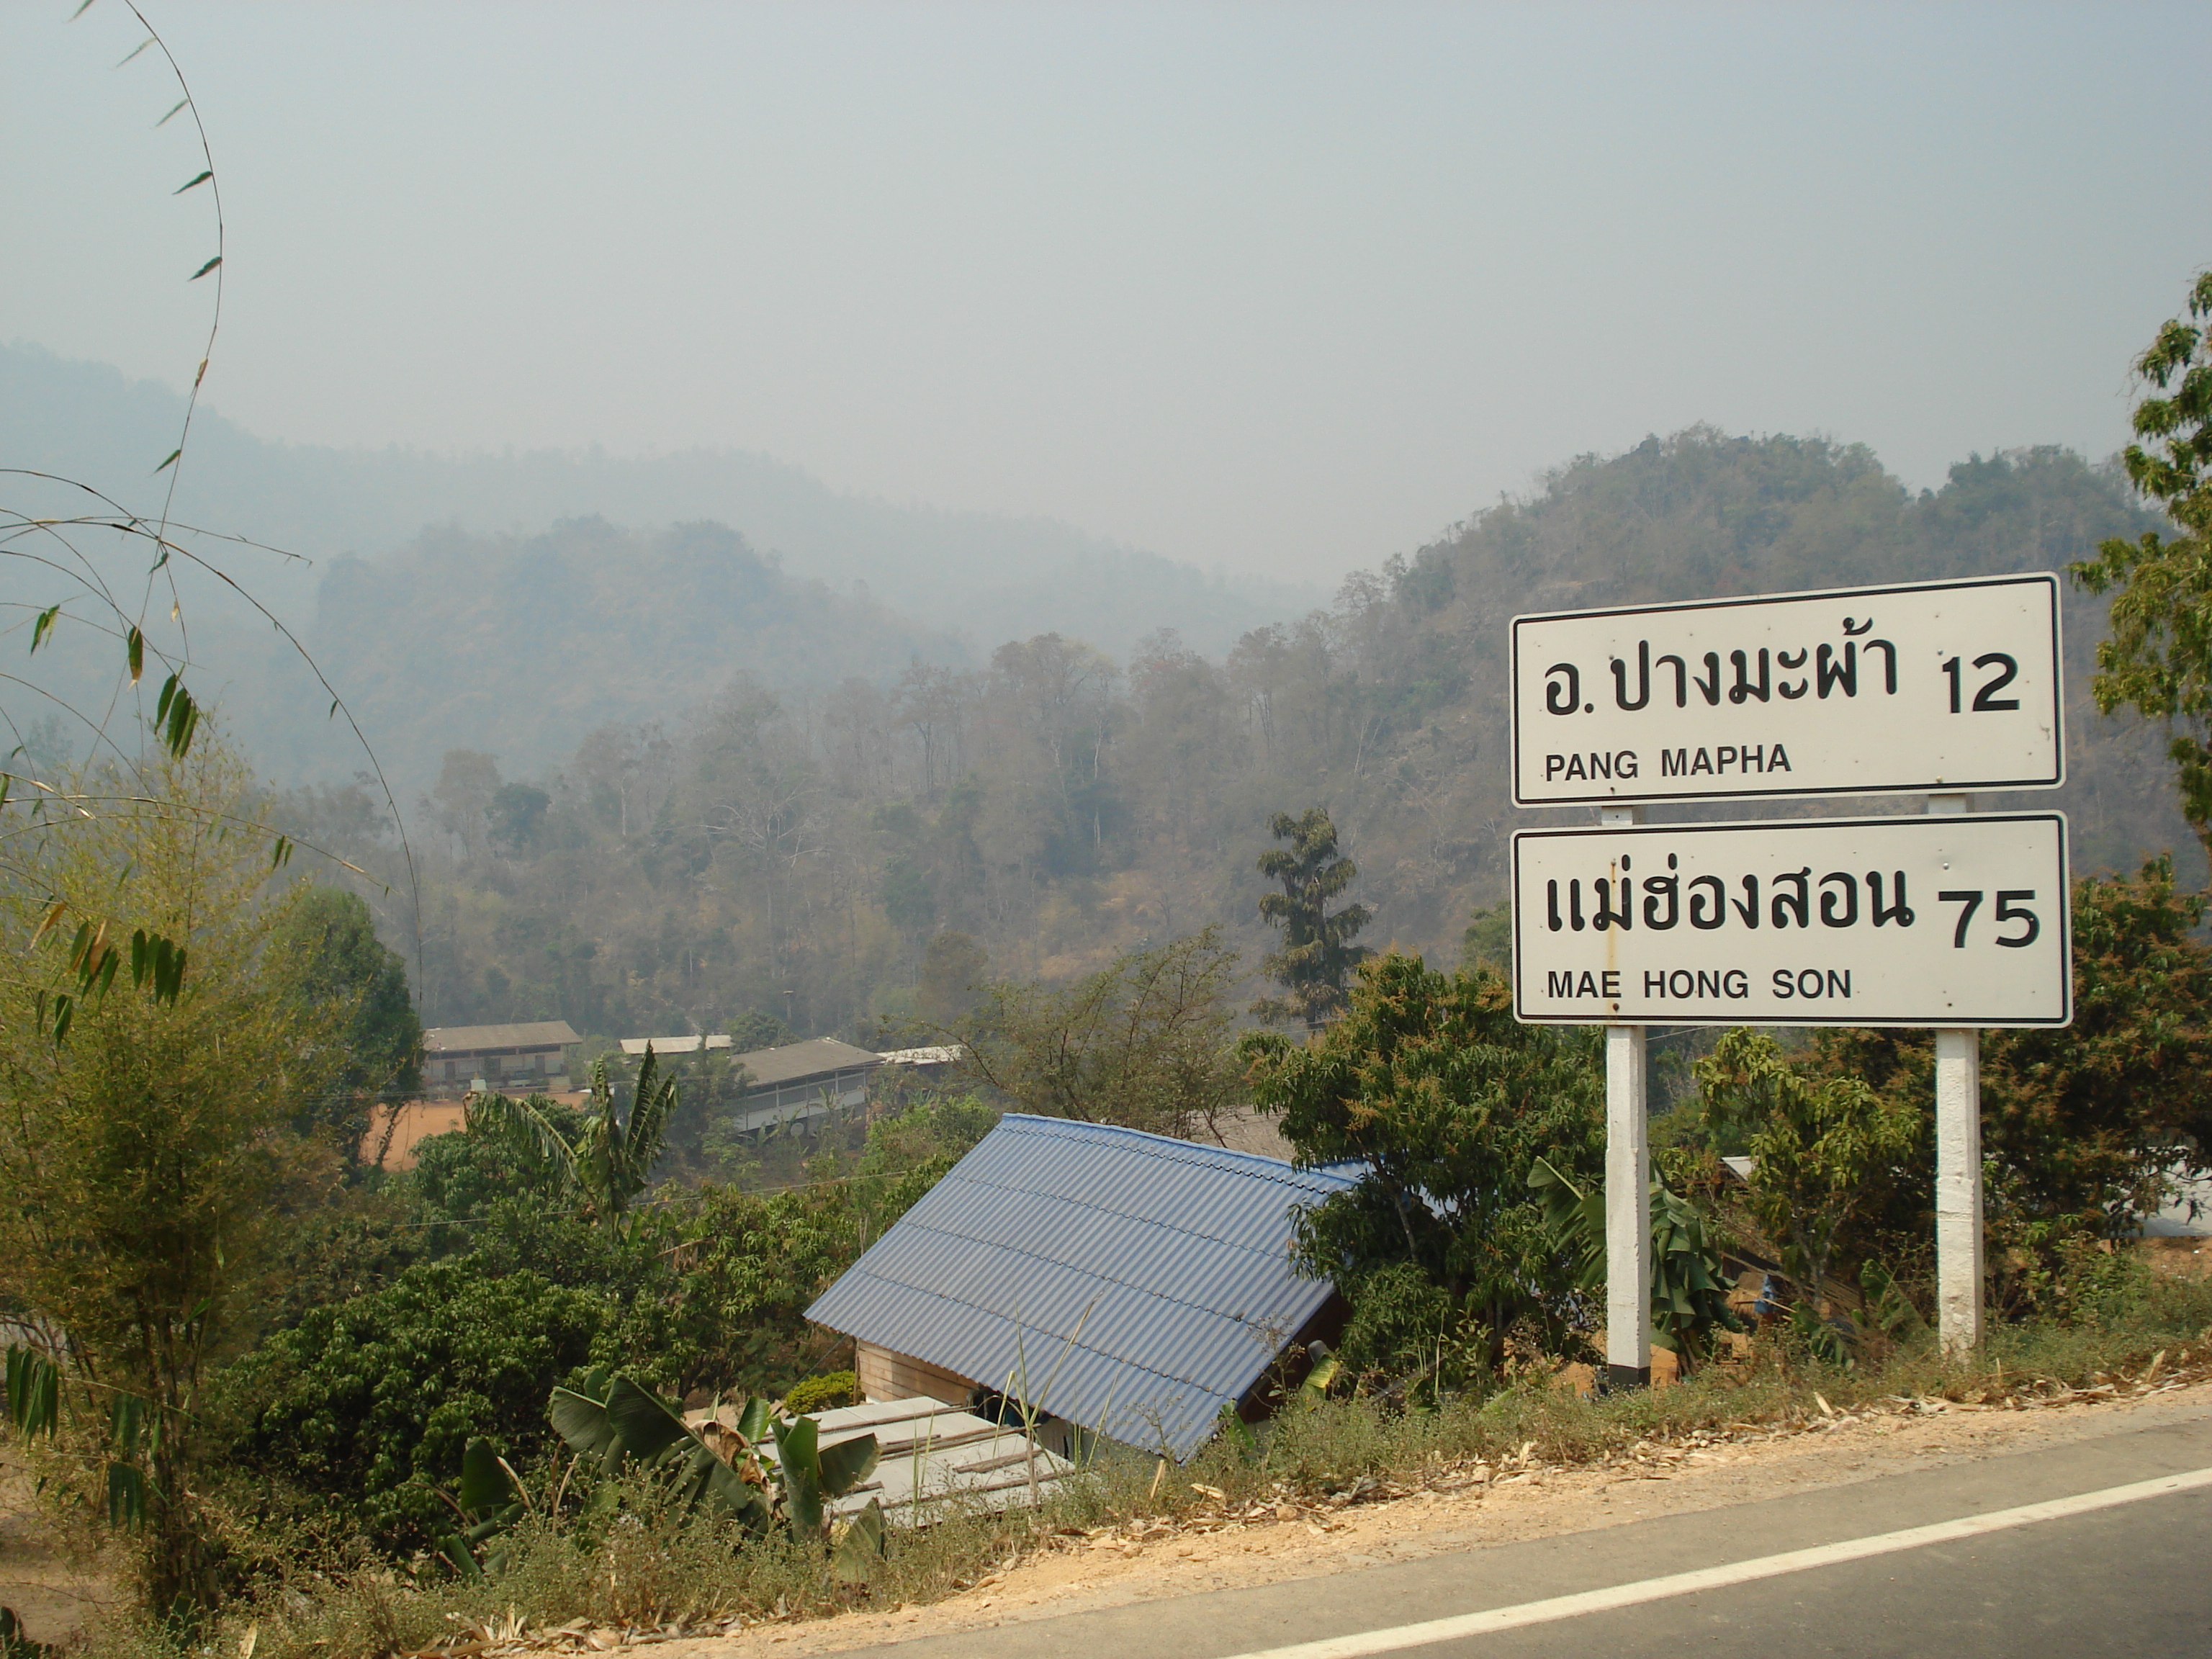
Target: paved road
2134, 1578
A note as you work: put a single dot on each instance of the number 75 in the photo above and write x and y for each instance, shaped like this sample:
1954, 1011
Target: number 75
2009, 909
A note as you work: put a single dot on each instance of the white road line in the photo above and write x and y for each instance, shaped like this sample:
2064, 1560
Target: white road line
1737, 1572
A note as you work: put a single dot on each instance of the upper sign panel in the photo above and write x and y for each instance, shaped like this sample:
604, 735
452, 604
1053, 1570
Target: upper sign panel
1933, 686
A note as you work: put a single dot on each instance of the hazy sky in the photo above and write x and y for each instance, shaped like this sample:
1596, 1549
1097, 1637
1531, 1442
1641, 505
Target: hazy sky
1281, 288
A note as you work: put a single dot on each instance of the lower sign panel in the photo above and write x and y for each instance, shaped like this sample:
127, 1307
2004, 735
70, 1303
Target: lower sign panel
1864, 921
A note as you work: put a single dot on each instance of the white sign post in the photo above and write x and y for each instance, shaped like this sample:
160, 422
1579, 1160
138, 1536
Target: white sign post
1951, 921
1627, 1191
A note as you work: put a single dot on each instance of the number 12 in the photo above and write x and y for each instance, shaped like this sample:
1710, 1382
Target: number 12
1986, 702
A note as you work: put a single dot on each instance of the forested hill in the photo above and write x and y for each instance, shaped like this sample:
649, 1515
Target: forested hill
801, 851
518, 644
987, 576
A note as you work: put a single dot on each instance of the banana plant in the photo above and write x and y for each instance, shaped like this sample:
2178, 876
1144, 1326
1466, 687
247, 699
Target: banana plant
489, 1501
609, 1158
614, 1422
1689, 1286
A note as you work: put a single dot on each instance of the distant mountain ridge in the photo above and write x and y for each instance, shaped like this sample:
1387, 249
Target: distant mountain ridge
989, 576
824, 583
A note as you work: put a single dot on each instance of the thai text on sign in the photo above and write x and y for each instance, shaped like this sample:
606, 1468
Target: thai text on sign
1938, 685
1951, 920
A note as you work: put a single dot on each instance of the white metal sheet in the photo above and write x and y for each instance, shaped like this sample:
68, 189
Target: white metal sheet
1931, 685
1957, 921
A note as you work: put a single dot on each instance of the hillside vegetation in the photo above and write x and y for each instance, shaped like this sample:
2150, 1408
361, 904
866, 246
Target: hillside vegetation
795, 852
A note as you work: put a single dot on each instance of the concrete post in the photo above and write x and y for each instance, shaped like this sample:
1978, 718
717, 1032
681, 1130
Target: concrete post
1627, 1193
1627, 1213
1958, 1166
1958, 1190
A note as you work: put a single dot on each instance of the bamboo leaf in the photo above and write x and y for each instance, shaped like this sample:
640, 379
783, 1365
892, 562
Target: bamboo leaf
134, 50
204, 268
174, 108
176, 715
167, 461
34, 1384
126, 1496
281, 854
44, 626
134, 650
205, 174
169, 971
53, 916
83, 6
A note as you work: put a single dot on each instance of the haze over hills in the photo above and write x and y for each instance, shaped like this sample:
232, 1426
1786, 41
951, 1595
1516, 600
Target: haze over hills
834, 582
785, 851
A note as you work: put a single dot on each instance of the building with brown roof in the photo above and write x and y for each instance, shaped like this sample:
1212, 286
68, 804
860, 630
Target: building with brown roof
525, 1057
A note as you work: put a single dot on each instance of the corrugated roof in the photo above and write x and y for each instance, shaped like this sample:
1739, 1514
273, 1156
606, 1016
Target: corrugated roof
1124, 1281
817, 1058
673, 1045
470, 1039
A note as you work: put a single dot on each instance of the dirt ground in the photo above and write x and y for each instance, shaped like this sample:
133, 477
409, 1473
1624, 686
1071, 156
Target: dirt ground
1473, 1508
52, 1597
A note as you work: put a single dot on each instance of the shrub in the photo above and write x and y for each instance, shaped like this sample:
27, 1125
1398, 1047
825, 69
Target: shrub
823, 1392
373, 1401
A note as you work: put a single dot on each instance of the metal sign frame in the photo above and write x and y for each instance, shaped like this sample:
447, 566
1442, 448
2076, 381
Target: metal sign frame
1749, 697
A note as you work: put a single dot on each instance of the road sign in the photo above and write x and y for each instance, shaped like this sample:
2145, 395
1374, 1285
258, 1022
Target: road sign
1934, 685
1951, 921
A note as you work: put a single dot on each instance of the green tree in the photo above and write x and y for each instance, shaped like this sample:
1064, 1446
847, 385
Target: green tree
1447, 1101
150, 1163
338, 963
1488, 940
2083, 1128
513, 816
1317, 955
2157, 659
1821, 1146
1144, 1043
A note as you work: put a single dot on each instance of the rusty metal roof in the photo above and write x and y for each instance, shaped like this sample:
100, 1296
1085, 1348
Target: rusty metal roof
1126, 1282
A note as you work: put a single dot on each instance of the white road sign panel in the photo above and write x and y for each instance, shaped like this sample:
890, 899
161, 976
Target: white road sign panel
1932, 685
1959, 920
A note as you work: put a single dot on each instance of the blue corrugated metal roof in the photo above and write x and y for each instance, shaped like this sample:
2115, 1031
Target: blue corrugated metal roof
1130, 1283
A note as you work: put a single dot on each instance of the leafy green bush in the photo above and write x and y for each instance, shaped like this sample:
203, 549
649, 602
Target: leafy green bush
823, 1392
371, 1402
